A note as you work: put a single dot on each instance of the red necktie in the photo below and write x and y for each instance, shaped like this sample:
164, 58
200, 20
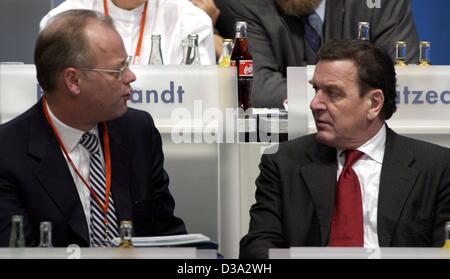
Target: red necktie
347, 223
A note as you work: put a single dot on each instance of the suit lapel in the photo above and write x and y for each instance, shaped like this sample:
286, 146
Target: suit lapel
296, 31
120, 178
320, 178
334, 19
54, 175
396, 182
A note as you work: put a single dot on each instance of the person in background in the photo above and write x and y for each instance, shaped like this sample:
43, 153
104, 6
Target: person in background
222, 19
80, 158
137, 20
284, 33
226, 23
355, 183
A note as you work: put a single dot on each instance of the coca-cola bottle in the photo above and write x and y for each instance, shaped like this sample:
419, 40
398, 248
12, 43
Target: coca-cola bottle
241, 58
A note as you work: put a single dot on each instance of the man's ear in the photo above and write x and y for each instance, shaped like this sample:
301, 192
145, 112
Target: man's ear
71, 77
375, 99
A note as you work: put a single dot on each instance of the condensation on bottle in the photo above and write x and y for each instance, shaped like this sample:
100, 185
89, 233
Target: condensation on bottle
17, 237
363, 31
400, 53
192, 54
126, 234
45, 234
424, 50
225, 57
243, 61
155, 52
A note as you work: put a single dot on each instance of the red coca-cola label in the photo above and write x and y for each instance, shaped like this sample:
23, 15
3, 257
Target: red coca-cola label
245, 68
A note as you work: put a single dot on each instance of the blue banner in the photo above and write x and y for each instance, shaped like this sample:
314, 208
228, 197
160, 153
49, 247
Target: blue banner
433, 24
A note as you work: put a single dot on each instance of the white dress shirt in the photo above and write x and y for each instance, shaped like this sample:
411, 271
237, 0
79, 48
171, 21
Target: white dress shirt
70, 137
368, 169
321, 10
174, 20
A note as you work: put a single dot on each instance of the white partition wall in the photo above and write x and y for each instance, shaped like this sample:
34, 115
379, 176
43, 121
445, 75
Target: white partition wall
298, 97
423, 99
18, 90
169, 93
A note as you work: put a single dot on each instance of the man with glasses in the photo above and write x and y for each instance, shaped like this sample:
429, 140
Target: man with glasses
80, 158
118, 72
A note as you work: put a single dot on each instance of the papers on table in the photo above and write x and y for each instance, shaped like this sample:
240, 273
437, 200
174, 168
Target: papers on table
193, 240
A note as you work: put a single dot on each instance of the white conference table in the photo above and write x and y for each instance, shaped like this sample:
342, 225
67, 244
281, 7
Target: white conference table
359, 253
75, 252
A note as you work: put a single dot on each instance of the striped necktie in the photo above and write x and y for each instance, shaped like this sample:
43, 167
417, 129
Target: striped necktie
97, 183
313, 31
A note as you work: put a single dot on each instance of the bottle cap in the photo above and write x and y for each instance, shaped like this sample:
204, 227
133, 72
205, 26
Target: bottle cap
17, 218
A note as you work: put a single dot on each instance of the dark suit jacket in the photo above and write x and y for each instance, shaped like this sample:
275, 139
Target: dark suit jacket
35, 180
277, 40
296, 188
225, 23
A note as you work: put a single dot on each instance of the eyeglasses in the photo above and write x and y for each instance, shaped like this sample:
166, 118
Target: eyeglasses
118, 73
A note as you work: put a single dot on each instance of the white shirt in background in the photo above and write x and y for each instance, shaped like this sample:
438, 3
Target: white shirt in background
174, 20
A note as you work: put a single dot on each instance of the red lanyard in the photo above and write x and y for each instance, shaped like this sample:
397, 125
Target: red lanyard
106, 152
137, 53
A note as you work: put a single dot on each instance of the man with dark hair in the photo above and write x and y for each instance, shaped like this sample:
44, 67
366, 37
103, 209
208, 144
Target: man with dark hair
80, 158
355, 182
287, 33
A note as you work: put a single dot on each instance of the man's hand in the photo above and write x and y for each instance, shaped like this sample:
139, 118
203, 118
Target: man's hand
209, 7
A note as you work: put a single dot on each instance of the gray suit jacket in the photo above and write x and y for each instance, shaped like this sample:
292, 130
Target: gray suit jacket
296, 189
277, 40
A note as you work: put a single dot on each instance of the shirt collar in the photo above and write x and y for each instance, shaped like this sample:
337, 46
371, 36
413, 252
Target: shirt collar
129, 16
373, 148
321, 10
69, 136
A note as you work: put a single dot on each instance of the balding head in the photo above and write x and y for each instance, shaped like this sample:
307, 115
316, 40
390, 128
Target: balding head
63, 43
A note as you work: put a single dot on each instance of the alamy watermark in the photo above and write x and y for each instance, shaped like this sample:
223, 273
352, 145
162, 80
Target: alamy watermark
373, 4
73, 251
212, 125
